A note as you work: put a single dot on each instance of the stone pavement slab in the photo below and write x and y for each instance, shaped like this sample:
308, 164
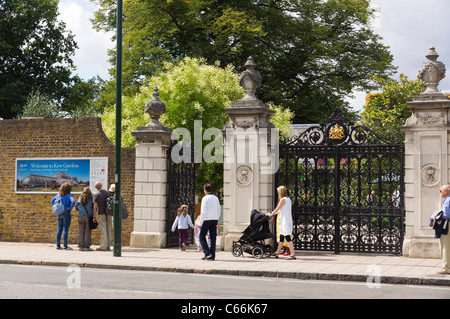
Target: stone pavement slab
309, 265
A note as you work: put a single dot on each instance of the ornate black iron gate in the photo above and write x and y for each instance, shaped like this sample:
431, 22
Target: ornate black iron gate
181, 188
331, 170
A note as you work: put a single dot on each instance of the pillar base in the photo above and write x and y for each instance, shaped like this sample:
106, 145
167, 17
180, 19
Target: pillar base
422, 248
229, 238
148, 240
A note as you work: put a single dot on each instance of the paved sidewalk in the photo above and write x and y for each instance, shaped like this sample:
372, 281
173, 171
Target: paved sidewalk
311, 266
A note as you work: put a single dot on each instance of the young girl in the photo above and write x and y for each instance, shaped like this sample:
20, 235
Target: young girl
183, 221
284, 208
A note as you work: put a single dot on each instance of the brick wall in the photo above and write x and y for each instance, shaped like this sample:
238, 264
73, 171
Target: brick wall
29, 217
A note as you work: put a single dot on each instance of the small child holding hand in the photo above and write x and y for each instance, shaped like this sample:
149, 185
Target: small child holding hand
183, 221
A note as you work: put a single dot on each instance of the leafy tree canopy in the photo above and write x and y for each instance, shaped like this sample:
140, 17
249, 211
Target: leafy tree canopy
312, 53
192, 90
386, 111
35, 53
39, 105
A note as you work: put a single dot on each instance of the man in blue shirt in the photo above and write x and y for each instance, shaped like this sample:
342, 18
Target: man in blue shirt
445, 239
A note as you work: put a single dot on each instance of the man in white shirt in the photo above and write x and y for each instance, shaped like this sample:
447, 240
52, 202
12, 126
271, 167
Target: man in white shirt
209, 218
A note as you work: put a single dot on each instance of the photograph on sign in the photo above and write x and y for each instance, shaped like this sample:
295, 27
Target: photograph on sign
46, 175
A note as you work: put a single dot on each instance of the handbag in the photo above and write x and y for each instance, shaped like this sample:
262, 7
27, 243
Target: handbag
92, 224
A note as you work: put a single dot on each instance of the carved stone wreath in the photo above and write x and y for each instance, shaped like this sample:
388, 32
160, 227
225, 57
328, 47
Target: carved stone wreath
244, 175
430, 175
245, 124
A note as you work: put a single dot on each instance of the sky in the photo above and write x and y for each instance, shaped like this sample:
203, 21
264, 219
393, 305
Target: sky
408, 27
91, 59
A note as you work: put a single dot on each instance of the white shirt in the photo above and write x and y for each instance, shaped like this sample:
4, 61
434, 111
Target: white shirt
182, 222
210, 209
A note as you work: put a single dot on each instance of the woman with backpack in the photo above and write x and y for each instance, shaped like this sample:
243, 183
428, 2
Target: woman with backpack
65, 218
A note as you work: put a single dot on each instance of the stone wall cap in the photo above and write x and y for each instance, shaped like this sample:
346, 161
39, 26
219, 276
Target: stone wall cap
250, 106
429, 102
148, 131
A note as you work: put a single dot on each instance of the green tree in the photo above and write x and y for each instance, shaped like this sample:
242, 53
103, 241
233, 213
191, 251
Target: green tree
83, 97
192, 90
35, 53
40, 105
386, 111
312, 53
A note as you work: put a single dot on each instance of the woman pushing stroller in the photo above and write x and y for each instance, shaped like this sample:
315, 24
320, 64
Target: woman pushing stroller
284, 208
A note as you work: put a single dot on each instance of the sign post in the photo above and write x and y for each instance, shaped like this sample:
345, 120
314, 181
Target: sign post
117, 206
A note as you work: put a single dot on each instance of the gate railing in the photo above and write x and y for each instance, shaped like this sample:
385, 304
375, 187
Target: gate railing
181, 191
331, 170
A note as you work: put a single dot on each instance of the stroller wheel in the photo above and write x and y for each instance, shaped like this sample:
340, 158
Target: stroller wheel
268, 250
236, 250
258, 252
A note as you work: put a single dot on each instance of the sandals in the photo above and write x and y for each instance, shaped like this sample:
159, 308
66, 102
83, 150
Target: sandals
291, 257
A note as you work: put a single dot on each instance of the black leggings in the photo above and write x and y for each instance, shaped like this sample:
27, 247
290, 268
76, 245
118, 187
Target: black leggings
288, 238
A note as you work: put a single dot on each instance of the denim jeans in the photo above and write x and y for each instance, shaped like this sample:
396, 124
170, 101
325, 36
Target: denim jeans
63, 225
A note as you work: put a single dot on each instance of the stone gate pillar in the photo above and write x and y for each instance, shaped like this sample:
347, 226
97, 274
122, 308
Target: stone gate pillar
427, 156
250, 157
150, 201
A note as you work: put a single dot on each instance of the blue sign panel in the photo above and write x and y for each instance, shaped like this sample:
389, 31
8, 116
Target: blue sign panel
46, 175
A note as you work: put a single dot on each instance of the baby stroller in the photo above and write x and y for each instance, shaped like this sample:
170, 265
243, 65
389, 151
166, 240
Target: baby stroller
252, 240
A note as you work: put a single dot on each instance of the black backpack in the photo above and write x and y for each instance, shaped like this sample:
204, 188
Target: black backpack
110, 207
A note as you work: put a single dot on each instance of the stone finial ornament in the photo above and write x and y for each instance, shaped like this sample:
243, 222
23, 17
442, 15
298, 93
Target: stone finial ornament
432, 72
250, 79
155, 108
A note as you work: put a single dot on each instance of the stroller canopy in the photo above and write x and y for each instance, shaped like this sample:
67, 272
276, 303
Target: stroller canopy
256, 216
259, 226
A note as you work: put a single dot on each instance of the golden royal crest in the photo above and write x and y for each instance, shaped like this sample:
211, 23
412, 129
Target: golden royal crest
337, 132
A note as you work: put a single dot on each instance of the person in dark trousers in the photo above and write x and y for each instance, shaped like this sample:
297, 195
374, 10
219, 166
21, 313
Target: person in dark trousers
209, 217
85, 207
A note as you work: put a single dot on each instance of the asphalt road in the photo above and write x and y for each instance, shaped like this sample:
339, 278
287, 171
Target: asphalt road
32, 282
